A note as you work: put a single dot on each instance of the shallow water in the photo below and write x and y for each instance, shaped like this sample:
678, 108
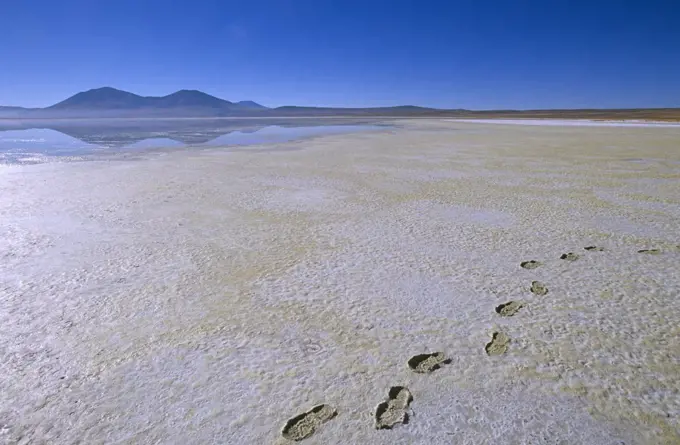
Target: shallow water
211, 297
29, 142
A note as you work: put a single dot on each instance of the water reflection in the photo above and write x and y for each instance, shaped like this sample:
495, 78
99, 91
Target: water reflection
40, 141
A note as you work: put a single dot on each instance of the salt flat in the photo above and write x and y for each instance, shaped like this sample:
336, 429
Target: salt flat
212, 296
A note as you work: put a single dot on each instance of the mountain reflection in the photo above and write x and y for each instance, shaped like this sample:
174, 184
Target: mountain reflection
121, 133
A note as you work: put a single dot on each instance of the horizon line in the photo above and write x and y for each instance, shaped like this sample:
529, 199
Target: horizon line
505, 110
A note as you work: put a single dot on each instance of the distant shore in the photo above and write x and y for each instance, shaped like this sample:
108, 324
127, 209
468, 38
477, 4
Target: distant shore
640, 115
574, 122
462, 118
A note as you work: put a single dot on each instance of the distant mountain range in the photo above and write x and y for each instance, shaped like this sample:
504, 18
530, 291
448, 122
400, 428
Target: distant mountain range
110, 102
112, 99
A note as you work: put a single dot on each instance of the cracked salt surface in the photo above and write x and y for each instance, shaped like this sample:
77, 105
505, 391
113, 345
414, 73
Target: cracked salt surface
212, 297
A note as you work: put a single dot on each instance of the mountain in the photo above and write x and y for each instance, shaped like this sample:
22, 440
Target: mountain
250, 105
191, 99
108, 102
106, 98
13, 111
403, 110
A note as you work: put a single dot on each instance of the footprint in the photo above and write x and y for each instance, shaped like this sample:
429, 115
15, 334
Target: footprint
302, 426
569, 256
394, 410
538, 288
530, 264
509, 309
650, 251
595, 248
498, 344
425, 363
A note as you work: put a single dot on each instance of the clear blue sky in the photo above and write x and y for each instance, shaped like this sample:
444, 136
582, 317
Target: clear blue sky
452, 54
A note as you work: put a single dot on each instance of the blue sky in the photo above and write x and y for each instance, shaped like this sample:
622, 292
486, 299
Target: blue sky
452, 54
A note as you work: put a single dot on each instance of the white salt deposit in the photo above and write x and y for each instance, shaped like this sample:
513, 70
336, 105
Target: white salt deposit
571, 122
211, 297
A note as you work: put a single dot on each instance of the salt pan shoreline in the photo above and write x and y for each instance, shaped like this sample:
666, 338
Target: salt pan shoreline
573, 122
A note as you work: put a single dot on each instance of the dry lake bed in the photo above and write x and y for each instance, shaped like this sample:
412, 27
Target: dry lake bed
432, 282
